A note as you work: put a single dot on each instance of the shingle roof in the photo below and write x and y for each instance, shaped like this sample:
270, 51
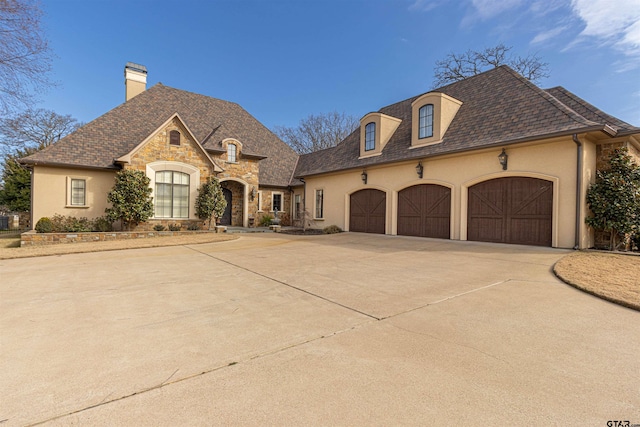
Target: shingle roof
499, 107
117, 132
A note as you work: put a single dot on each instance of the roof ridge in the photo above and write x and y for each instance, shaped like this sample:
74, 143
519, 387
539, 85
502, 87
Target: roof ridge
555, 102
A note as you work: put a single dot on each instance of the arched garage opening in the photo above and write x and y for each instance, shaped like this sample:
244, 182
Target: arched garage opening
367, 213
425, 211
515, 210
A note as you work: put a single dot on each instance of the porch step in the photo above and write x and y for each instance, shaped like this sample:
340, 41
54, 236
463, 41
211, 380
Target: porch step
234, 230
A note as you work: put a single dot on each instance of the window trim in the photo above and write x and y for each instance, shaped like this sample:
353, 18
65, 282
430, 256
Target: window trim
172, 133
428, 126
69, 192
194, 181
315, 204
281, 194
172, 185
260, 201
370, 136
296, 212
235, 153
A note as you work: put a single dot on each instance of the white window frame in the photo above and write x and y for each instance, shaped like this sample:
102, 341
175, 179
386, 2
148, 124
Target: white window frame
367, 133
194, 182
315, 204
260, 201
273, 194
69, 194
296, 213
235, 153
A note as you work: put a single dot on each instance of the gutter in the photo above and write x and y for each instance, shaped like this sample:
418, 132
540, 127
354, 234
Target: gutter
578, 190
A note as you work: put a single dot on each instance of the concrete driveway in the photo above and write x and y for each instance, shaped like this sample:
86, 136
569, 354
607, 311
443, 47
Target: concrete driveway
347, 329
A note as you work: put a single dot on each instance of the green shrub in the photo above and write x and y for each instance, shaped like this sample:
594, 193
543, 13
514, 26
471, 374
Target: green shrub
44, 225
70, 224
265, 220
174, 227
103, 224
332, 229
193, 226
158, 227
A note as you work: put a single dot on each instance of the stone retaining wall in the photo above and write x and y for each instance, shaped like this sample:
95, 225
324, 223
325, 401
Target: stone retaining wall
33, 238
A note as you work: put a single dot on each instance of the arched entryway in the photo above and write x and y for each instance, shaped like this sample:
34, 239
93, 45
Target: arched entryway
368, 211
511, 210
425, 211
226, 217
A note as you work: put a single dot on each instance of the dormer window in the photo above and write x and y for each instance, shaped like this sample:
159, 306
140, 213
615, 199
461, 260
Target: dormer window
426, 121
431, 115
174, 137
370, 137
231, 153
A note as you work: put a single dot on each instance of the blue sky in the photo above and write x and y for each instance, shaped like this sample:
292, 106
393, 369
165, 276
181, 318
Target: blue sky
285, 59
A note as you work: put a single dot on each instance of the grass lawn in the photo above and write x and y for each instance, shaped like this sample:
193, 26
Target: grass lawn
614, 277
10, 247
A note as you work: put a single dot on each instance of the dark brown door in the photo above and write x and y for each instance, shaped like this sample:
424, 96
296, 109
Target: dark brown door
226, 217
425, 211
511, 210
368, 209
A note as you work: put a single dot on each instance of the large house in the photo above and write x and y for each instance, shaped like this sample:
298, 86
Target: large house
490, 158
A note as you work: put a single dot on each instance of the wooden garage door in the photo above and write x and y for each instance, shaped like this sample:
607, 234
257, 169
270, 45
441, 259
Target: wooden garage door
367, 214
425, 211
511, 210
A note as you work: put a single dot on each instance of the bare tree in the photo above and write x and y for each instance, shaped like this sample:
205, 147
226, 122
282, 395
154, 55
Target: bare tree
35, 129
318, 132
25, 58
459, 66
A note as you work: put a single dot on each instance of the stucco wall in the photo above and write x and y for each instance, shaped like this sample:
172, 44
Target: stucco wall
50, 188
555, 160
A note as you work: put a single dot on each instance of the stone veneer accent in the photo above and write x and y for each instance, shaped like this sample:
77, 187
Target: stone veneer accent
33, 238
158, 148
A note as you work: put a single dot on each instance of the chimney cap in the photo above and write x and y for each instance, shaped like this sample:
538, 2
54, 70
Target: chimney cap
136, 67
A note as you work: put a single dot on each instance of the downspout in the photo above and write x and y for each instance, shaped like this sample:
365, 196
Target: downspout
304, 202
578, 190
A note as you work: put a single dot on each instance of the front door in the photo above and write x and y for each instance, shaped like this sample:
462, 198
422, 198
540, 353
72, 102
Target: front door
226, 217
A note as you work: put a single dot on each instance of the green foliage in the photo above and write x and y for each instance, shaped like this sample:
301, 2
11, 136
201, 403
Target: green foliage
16, 194
44, 225
332, 229
193, 227
614, 199
103, 224
130, 198
174, 227
70, 224
210, 202
158, 227
265, 220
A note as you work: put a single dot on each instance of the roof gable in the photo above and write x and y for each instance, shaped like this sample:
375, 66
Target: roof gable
498, 107
121, 130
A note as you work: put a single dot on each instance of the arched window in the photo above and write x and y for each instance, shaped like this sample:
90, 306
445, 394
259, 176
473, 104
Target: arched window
370, 136
426, 121
231, 153
172, 195
174, 137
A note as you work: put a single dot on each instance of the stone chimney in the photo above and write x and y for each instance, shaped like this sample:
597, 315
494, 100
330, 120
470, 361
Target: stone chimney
135, 79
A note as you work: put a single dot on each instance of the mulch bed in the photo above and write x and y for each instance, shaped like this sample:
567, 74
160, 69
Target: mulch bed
301, 232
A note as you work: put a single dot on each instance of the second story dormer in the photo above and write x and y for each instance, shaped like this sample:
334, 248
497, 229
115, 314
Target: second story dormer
376, 130
431, 115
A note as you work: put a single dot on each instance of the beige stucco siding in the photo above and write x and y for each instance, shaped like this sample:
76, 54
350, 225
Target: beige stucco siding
51, 187
555, 161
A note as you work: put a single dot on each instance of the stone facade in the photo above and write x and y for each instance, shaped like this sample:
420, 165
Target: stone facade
33, 238
159, 148
267, 209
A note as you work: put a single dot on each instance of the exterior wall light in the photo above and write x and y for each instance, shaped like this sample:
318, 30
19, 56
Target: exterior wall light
420, 170
503, 158
252, 194
363, 175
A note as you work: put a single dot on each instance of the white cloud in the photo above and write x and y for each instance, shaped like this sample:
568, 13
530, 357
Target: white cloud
426, 5
613, 23
490, 8
549, 34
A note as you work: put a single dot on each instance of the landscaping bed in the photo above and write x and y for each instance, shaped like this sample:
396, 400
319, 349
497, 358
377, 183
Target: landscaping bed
614, 277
